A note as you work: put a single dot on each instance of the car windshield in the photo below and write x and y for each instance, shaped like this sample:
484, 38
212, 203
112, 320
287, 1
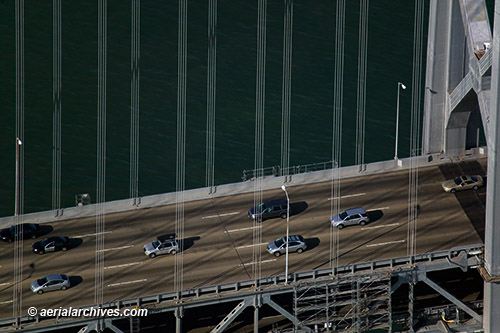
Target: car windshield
474, 178
261, 207
279, 241
156, 243
343, 215
42, 281
458, 181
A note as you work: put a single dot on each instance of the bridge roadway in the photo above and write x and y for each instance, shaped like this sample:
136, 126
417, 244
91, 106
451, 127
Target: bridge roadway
219, 237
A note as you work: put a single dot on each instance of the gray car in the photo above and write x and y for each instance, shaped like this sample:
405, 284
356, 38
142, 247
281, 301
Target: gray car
166, 244
278, 247
269, 209
350, 216
50, 282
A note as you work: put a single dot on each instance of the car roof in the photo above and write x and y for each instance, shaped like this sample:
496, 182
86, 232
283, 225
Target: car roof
296, 238
358, 210
52, 277
53, 238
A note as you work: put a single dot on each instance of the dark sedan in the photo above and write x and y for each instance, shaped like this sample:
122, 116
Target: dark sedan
29, 230
51, 244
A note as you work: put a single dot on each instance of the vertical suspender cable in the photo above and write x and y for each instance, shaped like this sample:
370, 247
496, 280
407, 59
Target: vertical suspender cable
415, 128
181, 145
17, 296
211, 93
361, 100
134, 99
56, 119
259, 135
338, 89
287, 88
101, 151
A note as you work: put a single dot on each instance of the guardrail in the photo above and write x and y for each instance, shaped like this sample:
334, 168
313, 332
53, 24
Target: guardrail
194, 295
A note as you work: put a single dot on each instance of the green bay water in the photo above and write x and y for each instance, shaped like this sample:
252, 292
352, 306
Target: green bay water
390, 56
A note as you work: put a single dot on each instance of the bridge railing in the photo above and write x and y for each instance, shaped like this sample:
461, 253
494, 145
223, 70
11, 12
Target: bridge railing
193, 296
277, 171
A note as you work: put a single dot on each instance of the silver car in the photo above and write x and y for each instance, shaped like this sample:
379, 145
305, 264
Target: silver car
278, 247
50, 282
350, 217
166, 244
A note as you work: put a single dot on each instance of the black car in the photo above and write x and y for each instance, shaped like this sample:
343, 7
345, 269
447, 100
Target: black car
51, 244
269, 209
29, 230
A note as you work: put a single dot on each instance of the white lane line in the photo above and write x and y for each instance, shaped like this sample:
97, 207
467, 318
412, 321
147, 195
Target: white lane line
116, 248
128, 282
380, 226
380, 208
124, 265
4, 284
386, 243
347, 196
213, 216
90, 235
244, 246
240, 229
253, 263
6, 302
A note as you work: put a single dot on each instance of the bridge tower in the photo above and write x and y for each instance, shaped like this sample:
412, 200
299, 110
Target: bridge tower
491, 317
461, 94
458, 77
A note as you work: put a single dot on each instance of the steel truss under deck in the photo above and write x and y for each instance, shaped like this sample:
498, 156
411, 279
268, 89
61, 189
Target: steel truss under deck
351, 297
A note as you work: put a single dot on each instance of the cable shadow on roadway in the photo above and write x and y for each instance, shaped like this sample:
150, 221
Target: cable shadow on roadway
470, 201
357, 247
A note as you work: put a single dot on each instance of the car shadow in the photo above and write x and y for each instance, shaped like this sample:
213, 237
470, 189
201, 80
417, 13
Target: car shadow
74, 243
75, 280
311, 243
189, 242
298, 207
44, 230
375, 215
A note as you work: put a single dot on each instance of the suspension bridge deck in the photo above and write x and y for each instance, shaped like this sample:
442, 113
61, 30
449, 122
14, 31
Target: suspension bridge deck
218, 237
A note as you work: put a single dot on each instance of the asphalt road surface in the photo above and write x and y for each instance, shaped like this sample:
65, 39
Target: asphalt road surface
219, 237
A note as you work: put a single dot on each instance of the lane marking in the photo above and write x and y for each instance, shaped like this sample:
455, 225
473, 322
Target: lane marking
244, 246
4, 284
380, 208
380, 226
386, 243
253, 263
124, 265
240, 229
347, 196
213, 216
6, 302
128, 282
94, 234
116, 248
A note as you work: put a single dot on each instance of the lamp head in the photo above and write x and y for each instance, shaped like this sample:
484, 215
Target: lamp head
402, 85
283, 187
19, 142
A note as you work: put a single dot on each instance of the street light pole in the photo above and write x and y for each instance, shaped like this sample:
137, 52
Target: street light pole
397, 120
16, 202
283, 187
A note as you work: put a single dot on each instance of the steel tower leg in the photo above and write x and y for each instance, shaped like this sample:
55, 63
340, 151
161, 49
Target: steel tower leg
491, 310
256, 319
179, 313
